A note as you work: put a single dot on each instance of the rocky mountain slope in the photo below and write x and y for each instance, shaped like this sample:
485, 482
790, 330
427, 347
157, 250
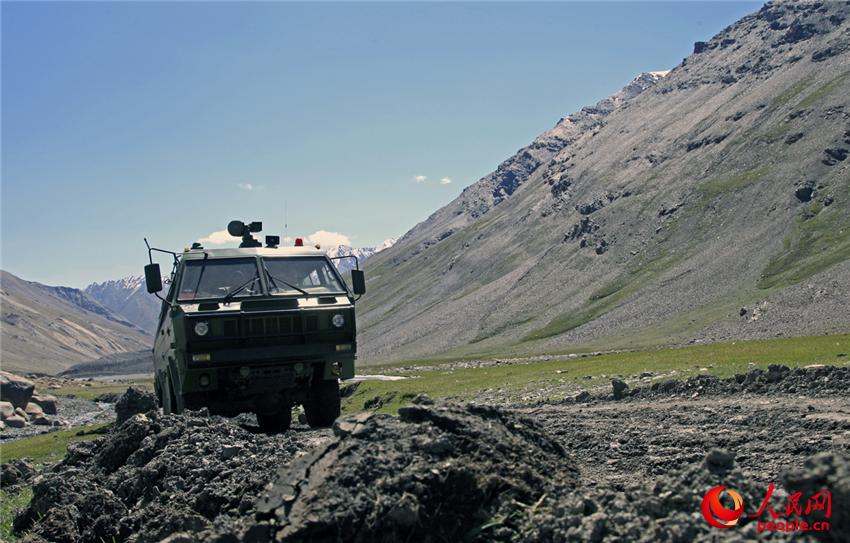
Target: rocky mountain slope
129, 298
47, 329
706, 203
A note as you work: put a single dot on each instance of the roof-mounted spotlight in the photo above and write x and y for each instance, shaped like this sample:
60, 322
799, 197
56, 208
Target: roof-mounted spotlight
240, 229
272, 242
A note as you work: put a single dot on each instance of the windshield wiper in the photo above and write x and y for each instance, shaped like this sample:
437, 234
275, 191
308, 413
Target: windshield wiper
200, 274
274, 280
229, 296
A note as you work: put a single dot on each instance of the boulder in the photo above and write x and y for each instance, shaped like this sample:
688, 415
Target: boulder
46, 402
33, 410
6, 410
15, 389
21, 413
41, 420
16, 421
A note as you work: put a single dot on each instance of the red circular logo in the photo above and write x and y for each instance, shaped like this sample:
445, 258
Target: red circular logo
717, 515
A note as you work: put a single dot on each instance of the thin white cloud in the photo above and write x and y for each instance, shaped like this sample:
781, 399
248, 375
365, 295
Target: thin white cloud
420, 178
328, 239
445, 180
249, 186
219, 237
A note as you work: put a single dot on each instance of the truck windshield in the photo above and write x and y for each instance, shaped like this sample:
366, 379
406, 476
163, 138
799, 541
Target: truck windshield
205, 279
307, 274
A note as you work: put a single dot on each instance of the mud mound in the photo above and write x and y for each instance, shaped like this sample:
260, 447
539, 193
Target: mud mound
436, 473
668, 508
831, 472
132, 402
16, 472
155, 475
812, 381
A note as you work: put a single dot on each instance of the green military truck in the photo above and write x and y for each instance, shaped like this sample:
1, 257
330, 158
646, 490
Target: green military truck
255, 329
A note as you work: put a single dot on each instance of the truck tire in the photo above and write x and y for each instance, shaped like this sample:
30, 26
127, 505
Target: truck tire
276, 422
322, 406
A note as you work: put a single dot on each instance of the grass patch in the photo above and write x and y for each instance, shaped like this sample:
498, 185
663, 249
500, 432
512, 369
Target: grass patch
49, 447
789, 94
102, 387
604, 299
733, 183
812, 246
824, 90
10, 505
722, 360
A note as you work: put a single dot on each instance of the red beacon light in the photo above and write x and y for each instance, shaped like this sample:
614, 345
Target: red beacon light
299, 242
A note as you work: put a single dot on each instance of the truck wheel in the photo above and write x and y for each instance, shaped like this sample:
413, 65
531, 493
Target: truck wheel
322, 405
276, 422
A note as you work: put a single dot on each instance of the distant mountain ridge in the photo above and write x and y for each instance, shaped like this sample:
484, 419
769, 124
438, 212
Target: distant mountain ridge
129, 298
362, 254
48, 329
705, 203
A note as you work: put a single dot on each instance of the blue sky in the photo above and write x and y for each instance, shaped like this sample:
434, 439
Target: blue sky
166, 120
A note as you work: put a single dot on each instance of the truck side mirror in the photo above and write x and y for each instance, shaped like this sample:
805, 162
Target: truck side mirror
358, 281
153, 278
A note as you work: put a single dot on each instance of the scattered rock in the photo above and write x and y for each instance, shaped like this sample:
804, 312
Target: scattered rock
798, 32
6, 410
15, 421
33, 410
46, 402
793, 138
834, 155
619, 387
805, 192
601, 247
584, 226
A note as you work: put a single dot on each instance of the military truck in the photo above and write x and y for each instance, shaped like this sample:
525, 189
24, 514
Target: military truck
254, 329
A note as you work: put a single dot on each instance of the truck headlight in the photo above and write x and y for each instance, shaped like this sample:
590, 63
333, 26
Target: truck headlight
338, 320
201, 328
